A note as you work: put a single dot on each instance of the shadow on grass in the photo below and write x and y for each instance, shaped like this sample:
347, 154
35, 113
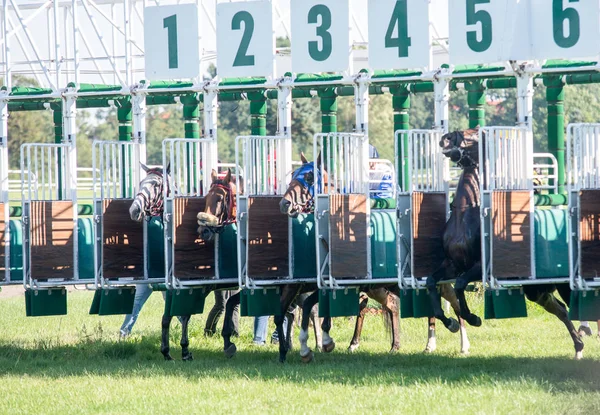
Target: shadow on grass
140, 358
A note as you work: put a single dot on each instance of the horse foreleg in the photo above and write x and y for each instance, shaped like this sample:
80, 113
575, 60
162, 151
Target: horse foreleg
450, 295
287, 297
472, 275
553, 306
328, 343
164, 337
307, 310
229, 347
431, 339
362, 306
436, 300
317, 322
186, 355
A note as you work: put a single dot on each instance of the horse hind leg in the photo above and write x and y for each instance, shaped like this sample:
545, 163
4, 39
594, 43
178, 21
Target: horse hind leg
229, 348
306, 354
472, 275
164, 337
450, 323
186, 355
450, 295
355, 342
553, 306
287, 297
391, 307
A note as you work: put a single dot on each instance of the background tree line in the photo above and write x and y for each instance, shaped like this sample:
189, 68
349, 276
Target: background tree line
581, 105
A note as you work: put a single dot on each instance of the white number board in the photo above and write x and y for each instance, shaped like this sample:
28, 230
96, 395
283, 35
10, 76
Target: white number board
320, 35
565, 29
245, 39
399, 34
171, 45
480, 31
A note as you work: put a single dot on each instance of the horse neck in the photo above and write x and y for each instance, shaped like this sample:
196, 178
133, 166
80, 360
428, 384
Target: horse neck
467, 192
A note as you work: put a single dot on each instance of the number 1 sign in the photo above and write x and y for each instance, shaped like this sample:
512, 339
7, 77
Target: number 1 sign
171, 44
245, 39
399, 34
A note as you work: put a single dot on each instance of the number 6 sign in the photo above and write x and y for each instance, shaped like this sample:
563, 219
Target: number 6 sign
245, 39
320, 35
171, 42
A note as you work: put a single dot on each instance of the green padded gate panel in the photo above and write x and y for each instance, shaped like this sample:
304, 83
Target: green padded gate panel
304, 256
52, 302
16, 250
584, 306
113, 302
228, 258
383, 244
260, 302
504, 304
551, 243
156, 249
338, 303
185, 302
415, 303
85, 245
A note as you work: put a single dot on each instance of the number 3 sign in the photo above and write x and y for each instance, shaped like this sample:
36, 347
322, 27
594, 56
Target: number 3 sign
171, 42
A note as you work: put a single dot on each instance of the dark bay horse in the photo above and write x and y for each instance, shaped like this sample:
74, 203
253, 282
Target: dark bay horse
462, 242
299, 199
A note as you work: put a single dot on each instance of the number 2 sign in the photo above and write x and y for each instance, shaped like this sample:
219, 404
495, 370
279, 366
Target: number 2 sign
171, 42
320, 35
245, 39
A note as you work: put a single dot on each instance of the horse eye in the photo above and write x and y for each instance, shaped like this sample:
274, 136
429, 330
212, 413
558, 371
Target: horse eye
310, 178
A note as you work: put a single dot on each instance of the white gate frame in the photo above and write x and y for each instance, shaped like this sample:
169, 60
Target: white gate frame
41, 179
506, 163
583, 167
267, 164
4, 183
347, 167
429, 171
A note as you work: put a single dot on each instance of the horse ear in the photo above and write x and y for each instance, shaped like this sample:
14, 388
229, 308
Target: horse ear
144, 167
213, 175
303, 158
318, 166
168, 169
227, 178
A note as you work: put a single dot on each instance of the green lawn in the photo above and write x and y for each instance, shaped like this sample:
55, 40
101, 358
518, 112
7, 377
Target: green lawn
76, 364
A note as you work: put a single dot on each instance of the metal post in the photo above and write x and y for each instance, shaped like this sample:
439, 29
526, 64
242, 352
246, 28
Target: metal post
401, 106
329, 109
555, 96
4, 179
211, 106
69, 136
284, 108
191, 118
125, 117
258, 113
476, 101
361, 103
441, 91
525, 101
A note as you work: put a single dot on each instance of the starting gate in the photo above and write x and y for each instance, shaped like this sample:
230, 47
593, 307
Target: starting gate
189, 260
342, 210
4, 216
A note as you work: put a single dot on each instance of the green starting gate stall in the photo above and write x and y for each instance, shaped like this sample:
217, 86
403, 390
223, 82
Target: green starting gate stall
583, 165
50, 232
272, 248
193, 266
122, 246
422, 215
5, 239
342, 212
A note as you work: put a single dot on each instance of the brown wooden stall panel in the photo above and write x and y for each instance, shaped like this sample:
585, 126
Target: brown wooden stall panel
268, 238
3, 229
511, 232
429, 220
348, 236
589, 228
123, 241
194, 258
51, 224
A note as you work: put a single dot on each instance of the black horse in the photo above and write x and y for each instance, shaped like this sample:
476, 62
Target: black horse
462, 242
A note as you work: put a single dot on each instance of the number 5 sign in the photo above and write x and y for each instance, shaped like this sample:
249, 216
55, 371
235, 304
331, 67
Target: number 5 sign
399, 34
245, 39
171, 42
565, 28
320, 35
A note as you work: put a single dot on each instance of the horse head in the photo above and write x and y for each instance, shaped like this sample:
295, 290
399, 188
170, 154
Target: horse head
220, 209
462, 147
149, 200
298, 198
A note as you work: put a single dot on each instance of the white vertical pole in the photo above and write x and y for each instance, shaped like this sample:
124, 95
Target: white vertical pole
525, 100
441, 91
138, 102
210, 132
6, 48
126, 29
57, 56
70, 167
75, 41
4, 178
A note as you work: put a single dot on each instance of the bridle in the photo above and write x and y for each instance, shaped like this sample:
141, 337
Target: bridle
300, 176
463, 156
228, 215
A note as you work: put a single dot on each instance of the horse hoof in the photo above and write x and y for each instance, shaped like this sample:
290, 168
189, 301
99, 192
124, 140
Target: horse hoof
464, 352
168, 357
328, 348
584, 331
230, 351
310, 357
473, 320
352, 348
394, 349
579, 355
187, 358
453, 325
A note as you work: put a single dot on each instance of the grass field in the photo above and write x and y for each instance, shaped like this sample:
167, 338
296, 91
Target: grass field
76, 364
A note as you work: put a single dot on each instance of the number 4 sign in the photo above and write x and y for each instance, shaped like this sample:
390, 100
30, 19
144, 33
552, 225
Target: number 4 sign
399, 34
171, 42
